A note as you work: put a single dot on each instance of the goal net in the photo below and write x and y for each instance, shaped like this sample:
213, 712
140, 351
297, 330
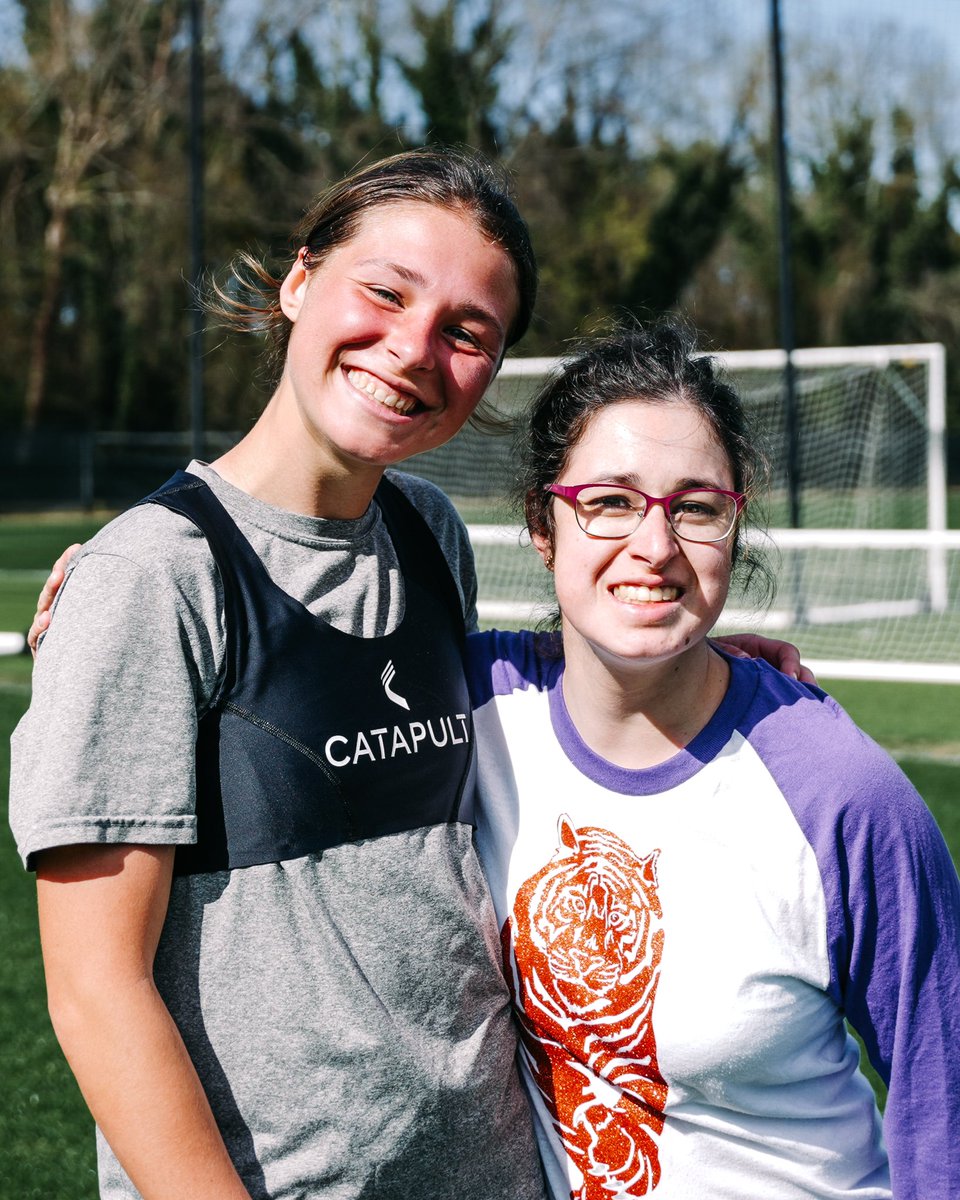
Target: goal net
869, 586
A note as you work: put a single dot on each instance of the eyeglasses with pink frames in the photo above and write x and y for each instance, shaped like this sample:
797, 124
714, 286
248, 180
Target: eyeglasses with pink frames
613, 510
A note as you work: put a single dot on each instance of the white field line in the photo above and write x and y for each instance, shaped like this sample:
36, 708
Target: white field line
902, 755
824, 614
12, 643
515, 611
15, 689
892, 672
498, 535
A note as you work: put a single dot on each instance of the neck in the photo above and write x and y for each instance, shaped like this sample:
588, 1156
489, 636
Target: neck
287, 469
639, 716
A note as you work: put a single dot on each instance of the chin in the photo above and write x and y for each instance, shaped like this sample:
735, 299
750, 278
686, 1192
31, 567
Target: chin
651, 647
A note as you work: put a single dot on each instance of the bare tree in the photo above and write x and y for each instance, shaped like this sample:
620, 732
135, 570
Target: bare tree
101, 82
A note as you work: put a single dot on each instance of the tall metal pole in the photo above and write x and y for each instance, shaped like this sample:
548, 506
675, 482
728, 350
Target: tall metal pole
792, 428
196, 228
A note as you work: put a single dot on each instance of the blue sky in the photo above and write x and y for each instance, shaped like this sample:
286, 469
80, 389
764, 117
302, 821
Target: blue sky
937, 20
938, 17
941, 18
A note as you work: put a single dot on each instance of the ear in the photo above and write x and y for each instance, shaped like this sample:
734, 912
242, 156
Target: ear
544, 548
294, 287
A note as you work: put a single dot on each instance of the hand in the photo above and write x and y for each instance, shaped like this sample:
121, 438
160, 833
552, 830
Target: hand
41, 619
782, 655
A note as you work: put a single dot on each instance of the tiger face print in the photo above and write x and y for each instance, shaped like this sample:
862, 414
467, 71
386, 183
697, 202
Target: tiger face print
583, 948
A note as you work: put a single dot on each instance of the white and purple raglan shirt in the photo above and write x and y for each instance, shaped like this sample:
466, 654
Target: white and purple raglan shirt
684, 942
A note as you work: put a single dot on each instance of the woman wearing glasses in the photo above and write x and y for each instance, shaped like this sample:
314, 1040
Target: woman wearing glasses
700, 867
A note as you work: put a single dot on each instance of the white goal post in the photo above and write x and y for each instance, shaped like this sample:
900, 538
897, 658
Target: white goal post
931, 359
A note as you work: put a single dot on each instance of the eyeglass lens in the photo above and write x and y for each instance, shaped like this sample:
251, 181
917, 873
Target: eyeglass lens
697, 516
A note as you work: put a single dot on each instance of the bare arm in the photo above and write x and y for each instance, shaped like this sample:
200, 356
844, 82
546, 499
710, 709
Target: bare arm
101, 911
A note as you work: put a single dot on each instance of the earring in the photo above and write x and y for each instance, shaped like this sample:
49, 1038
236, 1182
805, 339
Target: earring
548, 560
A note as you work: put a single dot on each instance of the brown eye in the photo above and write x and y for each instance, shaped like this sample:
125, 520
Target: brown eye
459, 334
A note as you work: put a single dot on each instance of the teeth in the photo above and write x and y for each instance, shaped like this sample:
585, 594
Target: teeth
380, 392
643, 594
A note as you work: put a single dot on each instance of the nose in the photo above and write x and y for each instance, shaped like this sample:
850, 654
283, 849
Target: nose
410, 340
653, 540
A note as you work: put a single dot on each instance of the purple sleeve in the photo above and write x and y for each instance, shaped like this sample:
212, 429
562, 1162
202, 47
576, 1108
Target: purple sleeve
901, 978
893, 921
498, 663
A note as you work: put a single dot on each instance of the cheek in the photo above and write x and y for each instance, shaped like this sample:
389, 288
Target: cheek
469, 378
354, 320
331, 319
715, 574
579, 567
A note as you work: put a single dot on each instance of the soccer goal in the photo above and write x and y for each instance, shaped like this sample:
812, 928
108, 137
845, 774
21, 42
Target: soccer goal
868, 587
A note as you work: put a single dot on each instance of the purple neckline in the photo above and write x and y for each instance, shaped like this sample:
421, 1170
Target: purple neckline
647, 781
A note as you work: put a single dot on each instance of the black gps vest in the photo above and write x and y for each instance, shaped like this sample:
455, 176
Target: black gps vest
318, 737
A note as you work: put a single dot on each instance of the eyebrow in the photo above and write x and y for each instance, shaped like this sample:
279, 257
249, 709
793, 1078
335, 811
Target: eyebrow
691, 483
406, 273
468, 308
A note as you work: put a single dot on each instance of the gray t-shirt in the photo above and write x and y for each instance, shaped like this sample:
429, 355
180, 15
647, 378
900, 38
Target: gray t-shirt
346, 1011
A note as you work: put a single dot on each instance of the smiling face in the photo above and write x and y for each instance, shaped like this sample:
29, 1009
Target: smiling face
396, 335
649, 597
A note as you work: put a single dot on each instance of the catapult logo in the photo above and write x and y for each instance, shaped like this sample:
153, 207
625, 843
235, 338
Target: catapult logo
386, 678
386, 742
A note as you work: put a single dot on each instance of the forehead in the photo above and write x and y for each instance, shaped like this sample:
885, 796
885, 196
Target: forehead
425, 223
439, 248
648, 439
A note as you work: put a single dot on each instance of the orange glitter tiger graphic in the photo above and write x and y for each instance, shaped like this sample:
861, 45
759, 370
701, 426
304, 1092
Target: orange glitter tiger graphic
583, 948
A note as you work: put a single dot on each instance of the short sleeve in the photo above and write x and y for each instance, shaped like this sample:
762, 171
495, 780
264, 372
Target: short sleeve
105, 752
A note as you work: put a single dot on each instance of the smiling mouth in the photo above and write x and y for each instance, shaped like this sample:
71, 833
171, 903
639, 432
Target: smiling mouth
379, 391
643, 594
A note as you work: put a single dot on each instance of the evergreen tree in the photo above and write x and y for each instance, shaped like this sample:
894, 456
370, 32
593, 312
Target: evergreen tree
456, 84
